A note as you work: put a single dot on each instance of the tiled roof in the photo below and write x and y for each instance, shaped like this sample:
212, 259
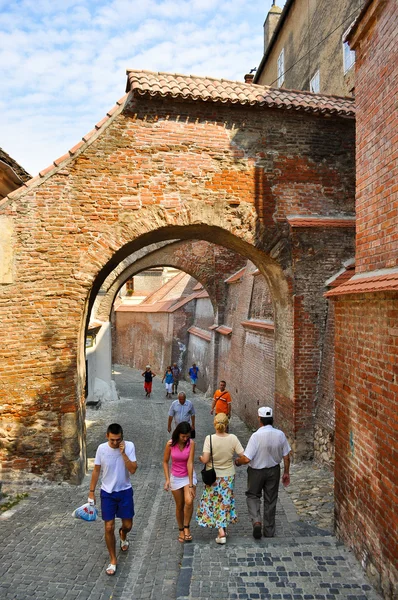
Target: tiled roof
258, 325
146, 308
236, 276
359, 284
207, 89
18, 170
341, 276
224, 330
201, 333
320, 221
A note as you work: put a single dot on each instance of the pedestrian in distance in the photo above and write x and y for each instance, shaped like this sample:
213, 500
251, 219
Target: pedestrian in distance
217, 505
148, 376
181, 478
221, 401
182, 410
265, 450
169, 379
193, 375
115, 460
176, 377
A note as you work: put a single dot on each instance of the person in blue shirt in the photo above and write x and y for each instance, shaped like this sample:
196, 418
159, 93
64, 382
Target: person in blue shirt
168, 377
193, 374
181, 410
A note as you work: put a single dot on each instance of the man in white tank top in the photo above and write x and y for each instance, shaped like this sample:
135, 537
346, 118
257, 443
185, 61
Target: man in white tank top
265, 450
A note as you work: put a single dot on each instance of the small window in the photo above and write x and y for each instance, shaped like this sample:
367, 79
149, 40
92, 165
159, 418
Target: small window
315, 83
349, 57
348, 54
281, 68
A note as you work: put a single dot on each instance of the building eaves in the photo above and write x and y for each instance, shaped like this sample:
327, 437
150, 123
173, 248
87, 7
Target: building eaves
16, 167
236, 276
361, 283
282, 19
207, 89
200, 333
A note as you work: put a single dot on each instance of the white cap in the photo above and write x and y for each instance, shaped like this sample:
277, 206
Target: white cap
265, 411
148, 367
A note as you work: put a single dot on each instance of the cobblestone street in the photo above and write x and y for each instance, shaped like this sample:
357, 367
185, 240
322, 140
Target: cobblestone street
46, 553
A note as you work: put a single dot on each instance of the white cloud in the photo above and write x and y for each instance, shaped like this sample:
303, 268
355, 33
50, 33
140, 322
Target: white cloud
62, 64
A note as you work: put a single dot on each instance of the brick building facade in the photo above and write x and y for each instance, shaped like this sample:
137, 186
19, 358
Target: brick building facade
366, 314
265, 173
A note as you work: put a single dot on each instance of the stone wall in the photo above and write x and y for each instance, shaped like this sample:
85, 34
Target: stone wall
154, 169
311, 37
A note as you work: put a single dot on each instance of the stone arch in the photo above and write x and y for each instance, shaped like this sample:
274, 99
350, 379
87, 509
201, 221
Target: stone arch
198, 259
263, 174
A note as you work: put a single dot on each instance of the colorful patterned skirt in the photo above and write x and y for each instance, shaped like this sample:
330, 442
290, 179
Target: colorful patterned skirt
217, 504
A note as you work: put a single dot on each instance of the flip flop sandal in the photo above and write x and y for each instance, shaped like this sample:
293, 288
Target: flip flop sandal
188, 537
124, 544
181, 539
111, 569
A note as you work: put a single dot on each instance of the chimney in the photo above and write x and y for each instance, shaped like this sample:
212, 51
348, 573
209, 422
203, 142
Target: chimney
270, 24
249, 77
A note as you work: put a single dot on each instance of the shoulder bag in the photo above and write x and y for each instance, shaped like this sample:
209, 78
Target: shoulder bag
209, 475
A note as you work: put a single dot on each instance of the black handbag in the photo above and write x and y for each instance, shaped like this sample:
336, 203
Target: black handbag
209, 475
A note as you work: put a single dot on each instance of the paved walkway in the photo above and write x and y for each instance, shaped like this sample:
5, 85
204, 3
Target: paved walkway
47, 554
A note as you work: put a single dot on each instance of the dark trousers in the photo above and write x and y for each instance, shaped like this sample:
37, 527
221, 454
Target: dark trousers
263, 482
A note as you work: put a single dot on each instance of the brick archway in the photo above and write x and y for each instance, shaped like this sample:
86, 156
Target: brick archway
261, 173
199, 259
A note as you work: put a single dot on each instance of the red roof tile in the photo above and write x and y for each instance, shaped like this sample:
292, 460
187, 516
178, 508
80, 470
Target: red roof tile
224, 330
236, 276
259, 325
320, 221
235, 92
201, 333
359, 284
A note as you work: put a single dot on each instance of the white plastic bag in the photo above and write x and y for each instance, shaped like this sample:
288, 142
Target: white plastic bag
87, 512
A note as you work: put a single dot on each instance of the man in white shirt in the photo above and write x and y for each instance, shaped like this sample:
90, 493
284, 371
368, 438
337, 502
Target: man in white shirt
265, 450
117, 461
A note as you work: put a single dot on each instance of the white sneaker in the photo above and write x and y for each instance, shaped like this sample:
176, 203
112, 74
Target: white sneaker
221, 540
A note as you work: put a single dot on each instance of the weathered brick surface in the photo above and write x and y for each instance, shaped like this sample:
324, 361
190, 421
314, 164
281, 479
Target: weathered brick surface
366, 472
159, 170
377, 142
366, 325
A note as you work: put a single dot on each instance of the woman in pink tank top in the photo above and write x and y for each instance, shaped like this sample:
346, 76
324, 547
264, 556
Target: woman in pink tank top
181, 478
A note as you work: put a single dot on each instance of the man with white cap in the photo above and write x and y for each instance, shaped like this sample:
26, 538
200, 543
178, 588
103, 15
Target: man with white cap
265, 450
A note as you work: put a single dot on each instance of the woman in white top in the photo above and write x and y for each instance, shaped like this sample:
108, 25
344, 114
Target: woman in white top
217, 504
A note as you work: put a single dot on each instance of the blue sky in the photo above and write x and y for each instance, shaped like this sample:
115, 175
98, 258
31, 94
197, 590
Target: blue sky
63, 62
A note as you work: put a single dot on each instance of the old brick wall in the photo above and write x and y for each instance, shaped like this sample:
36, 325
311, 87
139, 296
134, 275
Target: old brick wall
324, 431
366, 324
377, 148
366, 471
153, 170
317, 254
143, 338
247, 355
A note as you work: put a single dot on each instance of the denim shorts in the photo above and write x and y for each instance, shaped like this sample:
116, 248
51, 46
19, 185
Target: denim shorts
117, 504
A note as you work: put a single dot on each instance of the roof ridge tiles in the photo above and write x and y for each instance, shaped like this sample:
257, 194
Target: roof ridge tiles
71, 152
193, 87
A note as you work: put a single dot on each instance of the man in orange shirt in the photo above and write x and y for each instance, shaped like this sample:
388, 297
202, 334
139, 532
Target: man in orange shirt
222, 401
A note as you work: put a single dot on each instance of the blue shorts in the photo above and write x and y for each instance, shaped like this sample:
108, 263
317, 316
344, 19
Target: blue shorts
194, 380
117, 504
